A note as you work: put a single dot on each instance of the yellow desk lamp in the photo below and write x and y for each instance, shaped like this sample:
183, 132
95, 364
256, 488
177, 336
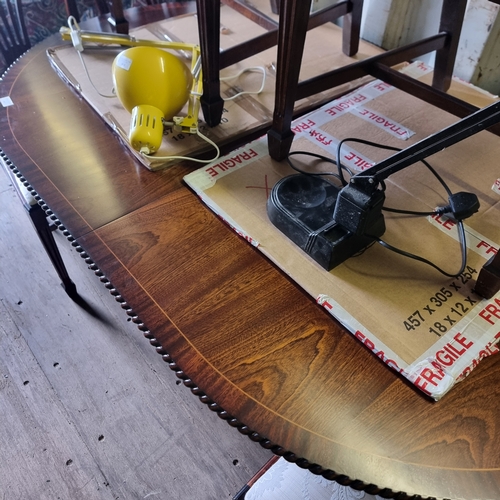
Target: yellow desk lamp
152, 84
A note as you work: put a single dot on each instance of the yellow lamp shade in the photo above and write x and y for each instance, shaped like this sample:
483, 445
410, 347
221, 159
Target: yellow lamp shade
151, 76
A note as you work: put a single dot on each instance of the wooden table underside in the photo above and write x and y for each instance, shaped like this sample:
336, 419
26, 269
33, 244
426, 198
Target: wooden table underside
236, 329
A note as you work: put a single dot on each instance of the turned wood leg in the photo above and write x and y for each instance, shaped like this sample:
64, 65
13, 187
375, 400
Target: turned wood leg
117, 18
452, 17
351, 28
294, 18
212, 103
488, 280
39, 219
72, 9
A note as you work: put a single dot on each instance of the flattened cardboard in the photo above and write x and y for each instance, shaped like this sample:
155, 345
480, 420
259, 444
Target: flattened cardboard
431, 328
242, 115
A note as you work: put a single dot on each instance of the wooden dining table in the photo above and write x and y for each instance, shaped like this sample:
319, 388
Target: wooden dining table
239, 333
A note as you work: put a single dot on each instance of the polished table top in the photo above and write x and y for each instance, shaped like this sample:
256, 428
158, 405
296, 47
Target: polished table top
244, 337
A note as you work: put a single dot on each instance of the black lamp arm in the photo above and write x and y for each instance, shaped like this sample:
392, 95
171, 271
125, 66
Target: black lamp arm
470, 125
360, 202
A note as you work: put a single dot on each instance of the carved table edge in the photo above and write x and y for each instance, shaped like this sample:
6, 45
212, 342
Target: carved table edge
291, 457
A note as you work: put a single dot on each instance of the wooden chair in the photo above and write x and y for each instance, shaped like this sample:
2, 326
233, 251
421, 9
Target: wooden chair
213, 60
112, 8
14, 40
292, 31
72, 8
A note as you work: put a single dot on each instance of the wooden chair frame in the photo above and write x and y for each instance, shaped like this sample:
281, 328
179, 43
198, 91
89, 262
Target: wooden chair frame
292, 31
213, 60
14, 39
112, 7
289, 35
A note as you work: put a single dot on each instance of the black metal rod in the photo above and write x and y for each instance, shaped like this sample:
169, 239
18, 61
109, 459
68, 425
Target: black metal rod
470, 125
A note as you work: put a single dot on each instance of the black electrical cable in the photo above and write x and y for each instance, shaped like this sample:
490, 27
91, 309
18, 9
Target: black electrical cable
463, 246
389, 148
341, 167
438, 211
409, 212
337, 175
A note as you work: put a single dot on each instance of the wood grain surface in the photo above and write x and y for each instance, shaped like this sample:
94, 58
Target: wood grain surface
233, 326
268, 355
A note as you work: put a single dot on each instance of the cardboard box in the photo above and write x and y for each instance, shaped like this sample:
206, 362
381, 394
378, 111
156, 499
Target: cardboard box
241, 116
431, 328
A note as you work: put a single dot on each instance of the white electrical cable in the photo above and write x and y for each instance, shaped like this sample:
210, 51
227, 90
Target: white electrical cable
204, 137
78, 44
245, 92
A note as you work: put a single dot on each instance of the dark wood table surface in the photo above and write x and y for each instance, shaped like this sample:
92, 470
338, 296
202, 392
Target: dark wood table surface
244, 338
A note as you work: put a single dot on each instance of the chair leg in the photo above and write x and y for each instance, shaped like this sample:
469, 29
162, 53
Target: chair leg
72, 9
294, 18
275, 8
39, 219
212, 103
452, 17
488, 280
117, 17
351, 28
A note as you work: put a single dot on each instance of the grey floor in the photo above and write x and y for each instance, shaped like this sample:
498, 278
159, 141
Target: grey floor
88, 409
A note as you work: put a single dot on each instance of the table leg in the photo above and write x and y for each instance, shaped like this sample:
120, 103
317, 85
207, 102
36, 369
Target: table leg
44, 231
